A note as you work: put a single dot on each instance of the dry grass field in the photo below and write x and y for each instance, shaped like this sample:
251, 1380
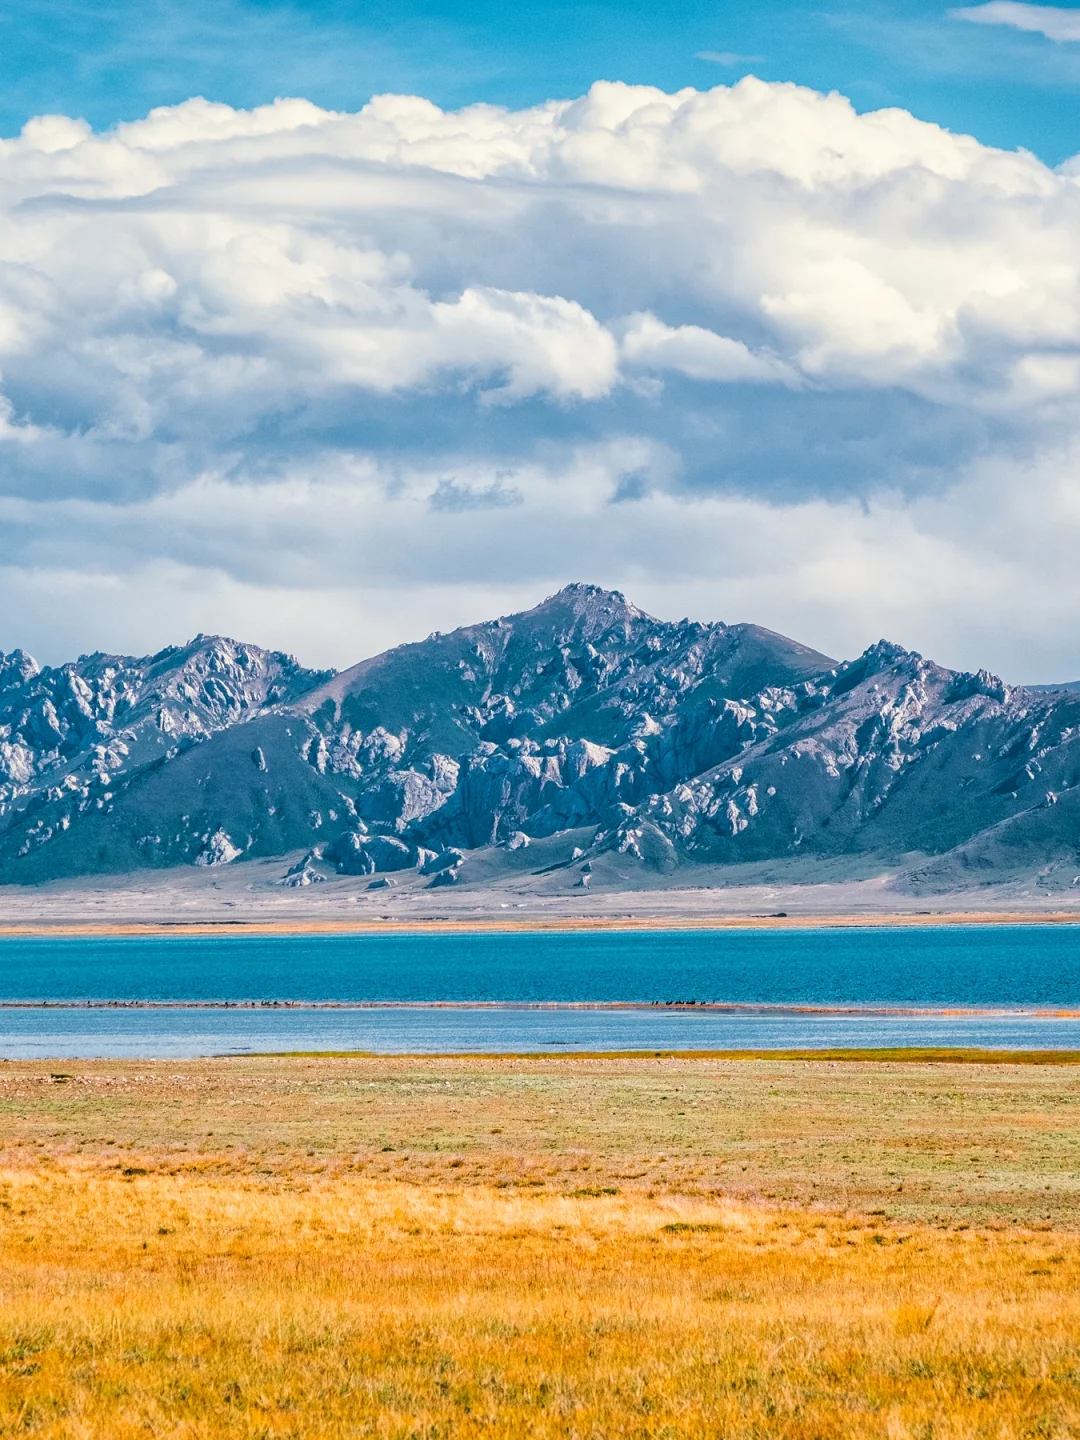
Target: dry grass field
547, 1247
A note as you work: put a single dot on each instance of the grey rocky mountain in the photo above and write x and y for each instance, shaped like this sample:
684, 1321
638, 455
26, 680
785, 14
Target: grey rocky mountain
664, 745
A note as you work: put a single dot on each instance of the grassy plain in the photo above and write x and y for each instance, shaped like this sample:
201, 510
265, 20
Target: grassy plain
330, 1247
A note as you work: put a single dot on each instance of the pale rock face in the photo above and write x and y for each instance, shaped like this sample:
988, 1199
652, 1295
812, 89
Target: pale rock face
444, 877
302, 874
444, 860
220, 850
364, 854
671, 742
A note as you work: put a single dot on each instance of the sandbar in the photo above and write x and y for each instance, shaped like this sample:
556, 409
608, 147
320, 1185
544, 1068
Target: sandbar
533, 925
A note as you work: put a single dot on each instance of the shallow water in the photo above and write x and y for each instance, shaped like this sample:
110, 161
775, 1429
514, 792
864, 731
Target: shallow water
180, 1033
1006, 967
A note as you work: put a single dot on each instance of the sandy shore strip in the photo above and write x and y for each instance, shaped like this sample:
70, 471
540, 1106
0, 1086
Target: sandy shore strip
847, 1055
582, 924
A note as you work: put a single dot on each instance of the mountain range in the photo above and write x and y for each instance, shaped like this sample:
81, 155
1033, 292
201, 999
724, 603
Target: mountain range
667, 745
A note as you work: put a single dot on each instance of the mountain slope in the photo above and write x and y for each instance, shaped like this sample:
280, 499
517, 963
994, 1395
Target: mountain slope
664, 743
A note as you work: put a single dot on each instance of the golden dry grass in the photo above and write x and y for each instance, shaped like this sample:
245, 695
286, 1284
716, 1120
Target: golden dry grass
226, 1249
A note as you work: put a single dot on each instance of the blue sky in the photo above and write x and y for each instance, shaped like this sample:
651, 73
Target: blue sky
118, 59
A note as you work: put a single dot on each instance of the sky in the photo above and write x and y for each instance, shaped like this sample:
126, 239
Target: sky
329, 325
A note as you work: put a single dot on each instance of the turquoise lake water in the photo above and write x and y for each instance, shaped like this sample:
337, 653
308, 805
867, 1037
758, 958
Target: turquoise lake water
1011, 968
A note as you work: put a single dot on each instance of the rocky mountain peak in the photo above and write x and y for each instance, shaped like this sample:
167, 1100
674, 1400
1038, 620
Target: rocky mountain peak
247, 673
886, 652
589, 609
584, 597
16, 668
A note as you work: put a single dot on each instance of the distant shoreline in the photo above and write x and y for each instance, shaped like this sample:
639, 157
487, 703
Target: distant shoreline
709, 1007
539, 925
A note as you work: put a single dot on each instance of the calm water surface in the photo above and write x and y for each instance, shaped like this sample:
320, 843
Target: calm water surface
1010, 967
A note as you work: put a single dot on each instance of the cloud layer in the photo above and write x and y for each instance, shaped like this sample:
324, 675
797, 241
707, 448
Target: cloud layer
1052, 21
328, 379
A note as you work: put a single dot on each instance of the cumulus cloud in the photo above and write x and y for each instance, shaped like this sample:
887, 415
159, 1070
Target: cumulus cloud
698, 353
1049, 20
742, 349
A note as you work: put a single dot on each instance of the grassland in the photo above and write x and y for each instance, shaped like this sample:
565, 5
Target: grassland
552, 1247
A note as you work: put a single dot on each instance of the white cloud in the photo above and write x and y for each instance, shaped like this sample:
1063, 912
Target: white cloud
1049, 20
697, 353
545, 345
744, 347
728, 58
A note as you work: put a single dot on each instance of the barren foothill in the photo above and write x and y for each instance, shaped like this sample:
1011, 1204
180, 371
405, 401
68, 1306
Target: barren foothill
248, 897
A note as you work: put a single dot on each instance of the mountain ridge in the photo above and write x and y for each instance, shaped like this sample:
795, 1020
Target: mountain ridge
665, 743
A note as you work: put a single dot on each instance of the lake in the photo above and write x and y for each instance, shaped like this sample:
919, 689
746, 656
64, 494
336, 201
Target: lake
1008, 968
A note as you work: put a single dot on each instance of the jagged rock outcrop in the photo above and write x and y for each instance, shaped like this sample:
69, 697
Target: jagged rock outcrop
107, 714
74, 737
662, 743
